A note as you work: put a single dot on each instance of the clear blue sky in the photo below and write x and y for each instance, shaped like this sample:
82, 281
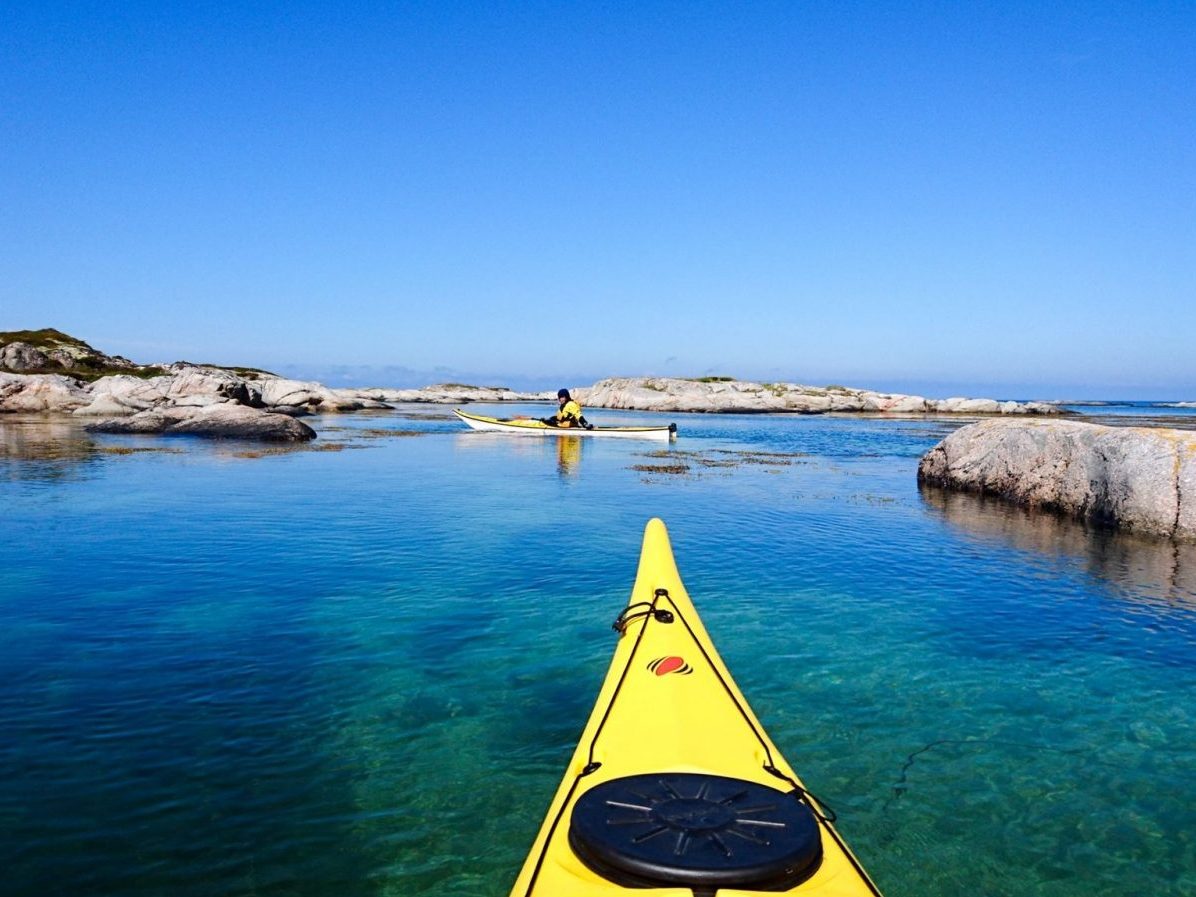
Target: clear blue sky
990, 198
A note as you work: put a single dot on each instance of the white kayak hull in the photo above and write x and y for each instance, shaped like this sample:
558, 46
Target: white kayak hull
536, 428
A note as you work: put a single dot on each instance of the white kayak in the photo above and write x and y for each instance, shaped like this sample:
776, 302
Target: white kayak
534, 427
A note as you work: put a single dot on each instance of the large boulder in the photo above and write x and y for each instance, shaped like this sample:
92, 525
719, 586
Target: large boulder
310, 396
20, 357
123, 394
184, 385
279, 391
227, 420
349, 400
152, 421
40, 392
190, 381
958, 405
1133, 478
894, 404
105, 405
242, 422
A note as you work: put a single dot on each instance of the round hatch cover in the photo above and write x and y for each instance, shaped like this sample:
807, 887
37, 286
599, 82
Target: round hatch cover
695, 830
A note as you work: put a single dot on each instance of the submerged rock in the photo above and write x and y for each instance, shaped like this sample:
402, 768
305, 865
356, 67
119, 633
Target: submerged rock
1137, 479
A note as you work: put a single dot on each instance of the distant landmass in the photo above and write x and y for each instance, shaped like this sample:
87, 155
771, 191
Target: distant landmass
48, 370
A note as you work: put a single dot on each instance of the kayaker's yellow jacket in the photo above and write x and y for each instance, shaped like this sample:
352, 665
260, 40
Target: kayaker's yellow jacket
569, 415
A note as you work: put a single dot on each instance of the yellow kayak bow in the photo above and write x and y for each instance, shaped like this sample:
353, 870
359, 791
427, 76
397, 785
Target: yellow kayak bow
675, 790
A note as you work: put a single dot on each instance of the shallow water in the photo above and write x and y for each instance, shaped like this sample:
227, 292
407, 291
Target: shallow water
360, 667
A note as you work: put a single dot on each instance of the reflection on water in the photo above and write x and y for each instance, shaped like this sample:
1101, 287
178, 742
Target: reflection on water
536, 449
58, 447
43, 448
1142, 569
42, 438
568, 455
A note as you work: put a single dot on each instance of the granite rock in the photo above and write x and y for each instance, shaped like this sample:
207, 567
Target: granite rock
1133, 478
746, 397
227, 420
454, 394
40, 392
189, 380
19, 357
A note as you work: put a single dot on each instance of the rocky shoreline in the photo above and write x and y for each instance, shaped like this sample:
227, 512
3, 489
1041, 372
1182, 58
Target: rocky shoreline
720, 395
208, 401
46, 371
1139, 479
51, 372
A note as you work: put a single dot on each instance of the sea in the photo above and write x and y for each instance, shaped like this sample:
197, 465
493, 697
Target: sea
360, 666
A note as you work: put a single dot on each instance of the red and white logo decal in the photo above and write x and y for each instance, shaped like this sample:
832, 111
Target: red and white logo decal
662, 666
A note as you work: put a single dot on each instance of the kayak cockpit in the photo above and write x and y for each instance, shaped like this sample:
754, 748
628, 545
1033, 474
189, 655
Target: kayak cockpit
659, 830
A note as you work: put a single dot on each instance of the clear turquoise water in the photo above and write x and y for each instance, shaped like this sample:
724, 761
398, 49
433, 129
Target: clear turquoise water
362, 671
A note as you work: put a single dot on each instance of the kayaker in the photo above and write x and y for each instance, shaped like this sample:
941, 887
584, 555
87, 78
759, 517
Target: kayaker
568, 414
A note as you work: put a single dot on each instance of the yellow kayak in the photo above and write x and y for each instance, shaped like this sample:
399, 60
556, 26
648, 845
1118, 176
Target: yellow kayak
533, 427
675, 790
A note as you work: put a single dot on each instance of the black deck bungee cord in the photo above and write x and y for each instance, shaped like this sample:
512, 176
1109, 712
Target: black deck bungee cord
591, 765
802, 794
821, 809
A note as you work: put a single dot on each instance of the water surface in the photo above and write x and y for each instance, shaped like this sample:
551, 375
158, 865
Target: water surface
360, 667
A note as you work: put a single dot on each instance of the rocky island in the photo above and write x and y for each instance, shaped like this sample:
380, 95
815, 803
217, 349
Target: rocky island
729, 396
50, 371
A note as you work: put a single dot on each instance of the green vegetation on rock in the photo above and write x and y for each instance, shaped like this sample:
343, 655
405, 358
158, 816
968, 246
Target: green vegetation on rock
88, 363
246, 373
46, 338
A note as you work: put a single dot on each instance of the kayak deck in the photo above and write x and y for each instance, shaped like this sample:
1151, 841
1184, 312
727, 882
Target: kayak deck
532, 427
675, 790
